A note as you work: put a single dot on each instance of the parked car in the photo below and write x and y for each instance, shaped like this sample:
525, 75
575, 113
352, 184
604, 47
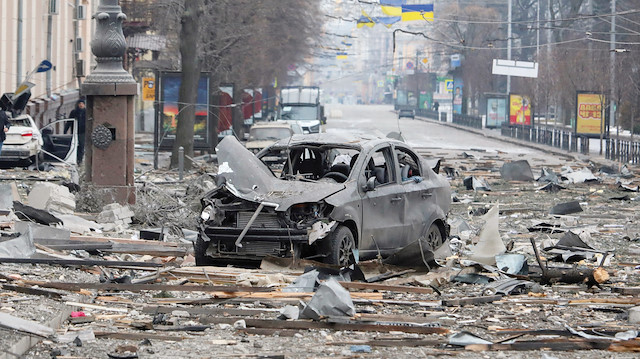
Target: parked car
60, 147
407, 114
23, 143
330, 195
264, 134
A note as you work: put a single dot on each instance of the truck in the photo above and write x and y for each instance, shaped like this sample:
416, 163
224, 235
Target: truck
301, 104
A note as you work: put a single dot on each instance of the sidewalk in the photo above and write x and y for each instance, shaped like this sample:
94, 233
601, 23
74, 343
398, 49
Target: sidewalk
494, 134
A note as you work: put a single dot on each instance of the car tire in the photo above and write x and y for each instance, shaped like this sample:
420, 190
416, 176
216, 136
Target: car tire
340, 245
200, 250
434, 236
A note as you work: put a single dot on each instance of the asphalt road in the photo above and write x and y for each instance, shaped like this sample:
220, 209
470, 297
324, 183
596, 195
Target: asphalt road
438, 139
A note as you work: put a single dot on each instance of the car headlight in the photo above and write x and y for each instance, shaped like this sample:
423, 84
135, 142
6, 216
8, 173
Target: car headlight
206, 213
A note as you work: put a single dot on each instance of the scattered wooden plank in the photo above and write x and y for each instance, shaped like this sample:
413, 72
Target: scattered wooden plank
470, 300
236, 312
78, 262
271, 331
387, 288
308, 324
145, 287
137, 336
400, 342
629, 301
626, 290
33, 291
97, 307
549, 344
25, 326
122, 240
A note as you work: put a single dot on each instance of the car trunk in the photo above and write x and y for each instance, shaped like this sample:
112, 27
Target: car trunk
19, 135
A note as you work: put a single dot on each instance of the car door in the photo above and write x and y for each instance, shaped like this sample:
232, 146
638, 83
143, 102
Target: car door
420, 209
383, 209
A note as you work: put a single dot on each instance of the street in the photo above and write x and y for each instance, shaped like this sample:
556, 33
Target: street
433, 139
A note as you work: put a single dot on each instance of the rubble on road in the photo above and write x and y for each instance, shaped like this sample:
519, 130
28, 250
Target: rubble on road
519, 279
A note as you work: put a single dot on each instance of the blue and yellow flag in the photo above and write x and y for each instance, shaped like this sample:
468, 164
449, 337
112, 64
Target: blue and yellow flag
341, 56
417, 12
391, 7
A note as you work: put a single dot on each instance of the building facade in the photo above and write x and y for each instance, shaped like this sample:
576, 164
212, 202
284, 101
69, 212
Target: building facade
34, 30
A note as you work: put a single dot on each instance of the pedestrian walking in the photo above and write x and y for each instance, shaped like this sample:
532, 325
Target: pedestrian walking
80, 115
4, 127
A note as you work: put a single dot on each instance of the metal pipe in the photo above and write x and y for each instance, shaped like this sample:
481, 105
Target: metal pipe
49, 50
19, 44
181, 162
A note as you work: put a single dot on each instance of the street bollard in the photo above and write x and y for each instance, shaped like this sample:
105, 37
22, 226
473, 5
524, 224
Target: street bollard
181, 161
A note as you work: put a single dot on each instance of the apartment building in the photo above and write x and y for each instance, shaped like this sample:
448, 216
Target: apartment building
35, 30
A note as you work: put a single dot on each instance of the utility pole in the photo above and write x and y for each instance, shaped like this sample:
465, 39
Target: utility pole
19, 44
612, 63
76, 35
509, 8
49, 50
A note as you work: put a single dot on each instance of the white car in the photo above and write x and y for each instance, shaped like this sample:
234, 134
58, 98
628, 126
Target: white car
264, 134
24, 141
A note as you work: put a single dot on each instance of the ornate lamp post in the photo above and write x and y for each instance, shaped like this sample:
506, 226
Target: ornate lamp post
110, 91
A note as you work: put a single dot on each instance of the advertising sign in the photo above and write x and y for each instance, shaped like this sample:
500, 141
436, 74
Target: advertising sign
590, 113
519, 109
225, 109
168, 109
496, 111
148, 89
458, 86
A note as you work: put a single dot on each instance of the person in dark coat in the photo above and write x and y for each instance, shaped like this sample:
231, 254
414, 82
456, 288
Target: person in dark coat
4, 127
80, 115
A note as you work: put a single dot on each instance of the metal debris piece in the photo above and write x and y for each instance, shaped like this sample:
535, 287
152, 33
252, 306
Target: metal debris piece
516, 171
566, 208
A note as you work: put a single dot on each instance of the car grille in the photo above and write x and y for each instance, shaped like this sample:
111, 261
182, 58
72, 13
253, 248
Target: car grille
264, 220
259, 248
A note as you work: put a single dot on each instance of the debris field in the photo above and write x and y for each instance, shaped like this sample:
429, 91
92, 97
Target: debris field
542, 262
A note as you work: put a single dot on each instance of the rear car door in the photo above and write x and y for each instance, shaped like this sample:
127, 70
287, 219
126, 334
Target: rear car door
421, 207
382, 208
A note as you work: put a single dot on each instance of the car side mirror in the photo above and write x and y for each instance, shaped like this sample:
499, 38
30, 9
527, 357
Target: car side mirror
371, 184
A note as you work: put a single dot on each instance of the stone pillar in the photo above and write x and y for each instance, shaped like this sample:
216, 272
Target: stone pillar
110, 91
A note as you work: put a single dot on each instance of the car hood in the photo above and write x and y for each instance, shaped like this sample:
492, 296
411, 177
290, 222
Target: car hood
250, 179
259, 144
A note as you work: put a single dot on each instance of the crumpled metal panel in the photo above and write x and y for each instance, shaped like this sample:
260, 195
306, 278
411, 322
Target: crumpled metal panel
250, 179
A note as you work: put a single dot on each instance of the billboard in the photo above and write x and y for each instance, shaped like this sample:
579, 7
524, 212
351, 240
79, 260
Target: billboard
520, 109
590, 113
225, 109
168, 108
496, 111
458, 87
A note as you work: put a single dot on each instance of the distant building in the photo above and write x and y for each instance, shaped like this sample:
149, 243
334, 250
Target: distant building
69, 40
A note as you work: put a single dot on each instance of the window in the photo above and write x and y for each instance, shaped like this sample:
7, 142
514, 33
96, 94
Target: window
381, 167
53, 7
409, 164
79, 44
81, 12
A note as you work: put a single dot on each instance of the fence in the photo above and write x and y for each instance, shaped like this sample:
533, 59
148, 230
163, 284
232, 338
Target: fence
466, 120
550, 136
627, 151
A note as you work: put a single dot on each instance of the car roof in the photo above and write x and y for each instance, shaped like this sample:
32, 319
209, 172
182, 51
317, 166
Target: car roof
355, 141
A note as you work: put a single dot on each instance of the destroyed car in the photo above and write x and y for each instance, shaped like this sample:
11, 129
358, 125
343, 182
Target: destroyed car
330, 197
23, 143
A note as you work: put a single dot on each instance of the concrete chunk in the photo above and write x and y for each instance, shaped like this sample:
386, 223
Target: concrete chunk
53, 198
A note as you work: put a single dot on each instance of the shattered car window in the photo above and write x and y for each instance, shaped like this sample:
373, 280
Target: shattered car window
380, 166
409, 164
311, 162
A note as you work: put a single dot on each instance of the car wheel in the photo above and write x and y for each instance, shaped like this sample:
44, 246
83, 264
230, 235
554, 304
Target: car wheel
200, 250
434, 236
341, 245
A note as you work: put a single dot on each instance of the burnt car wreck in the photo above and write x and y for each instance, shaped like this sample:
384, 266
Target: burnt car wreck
322, 197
